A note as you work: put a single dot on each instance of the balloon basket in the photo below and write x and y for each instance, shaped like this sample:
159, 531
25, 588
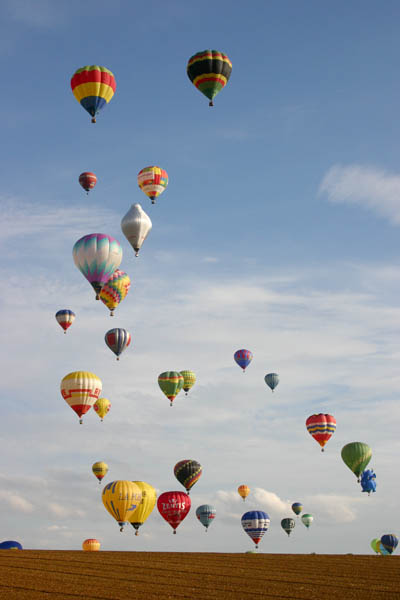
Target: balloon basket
174, 532
94, 120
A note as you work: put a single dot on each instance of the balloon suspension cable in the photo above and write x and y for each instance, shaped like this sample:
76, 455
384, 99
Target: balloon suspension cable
211, 103
94, 120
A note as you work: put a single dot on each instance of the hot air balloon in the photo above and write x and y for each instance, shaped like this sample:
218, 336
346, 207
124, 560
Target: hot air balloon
145, 507
307, 519
368, 481
173, 507
171, 383
117, 340
381, 549
102, 406
93, 87
243, 491
272, 380
373, 545
121, 498
100, 470
115, 290
288, 525
321, 427
152, 181
206, 514
255, 523
87, 180
10, 545
188, 472
356, 456
389, 541
136, 226
97, 256
297, 507
91, 545
80, 390
243, 358
65, 318
189, 379
209, 71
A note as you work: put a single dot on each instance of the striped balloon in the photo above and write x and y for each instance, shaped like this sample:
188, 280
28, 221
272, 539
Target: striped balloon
243, 358
97, 256
188, 472
80, 389
117, 340
321, 427
115, 290
91, 545
171, 383
152, 181
93, 87
87, 180
189, 379
255, 523
272, 380
100, 470
389, 541
356, 456
209, 71
297, 507
206, 514
65, 318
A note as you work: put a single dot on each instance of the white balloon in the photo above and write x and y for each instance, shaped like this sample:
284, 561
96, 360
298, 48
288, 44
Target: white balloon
136, 226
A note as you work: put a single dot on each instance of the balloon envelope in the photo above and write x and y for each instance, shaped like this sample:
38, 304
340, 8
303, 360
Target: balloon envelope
115, 290
10, 545
97, 256
136, 226
297, 507
189, 379
173, 507
171, 383
121, 498
288, 525
243, 491
356, 456
389, 541
91, 545
307, 519
209, 71
93, 87
80, 389
102, 406
100, 470
368, 481
152, 181
65, 318
117, 340
255, 523
188, 472
146, 505
243, 358
87, 180
321, 427
272, 380
206, 514
373, 545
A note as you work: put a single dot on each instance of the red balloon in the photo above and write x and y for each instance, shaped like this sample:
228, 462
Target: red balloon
321, 427
87, 180
173, 507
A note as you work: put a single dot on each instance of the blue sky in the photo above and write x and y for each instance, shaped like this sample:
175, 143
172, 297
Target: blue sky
278, 232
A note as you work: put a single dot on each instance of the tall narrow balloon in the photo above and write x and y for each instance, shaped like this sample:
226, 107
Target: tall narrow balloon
80, 390
97, 256
321, 427
93, 87
65, 318
209, 71
152, 181
136, 226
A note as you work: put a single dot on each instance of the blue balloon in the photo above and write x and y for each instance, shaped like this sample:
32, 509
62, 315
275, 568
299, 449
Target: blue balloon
206, 514
10, 545
389, 541
243, 358
255, 523
368, 481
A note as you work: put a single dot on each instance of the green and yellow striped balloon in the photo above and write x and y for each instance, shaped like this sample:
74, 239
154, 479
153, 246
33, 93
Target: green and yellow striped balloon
189, 379
171, 383
356, 456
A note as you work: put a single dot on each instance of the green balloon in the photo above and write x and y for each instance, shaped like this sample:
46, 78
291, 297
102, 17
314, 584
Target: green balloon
356, 456
374, 545
171, 383
307, 519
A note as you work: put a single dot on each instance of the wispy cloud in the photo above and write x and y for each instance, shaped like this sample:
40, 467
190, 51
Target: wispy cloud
16, 502
365, 186
41, 14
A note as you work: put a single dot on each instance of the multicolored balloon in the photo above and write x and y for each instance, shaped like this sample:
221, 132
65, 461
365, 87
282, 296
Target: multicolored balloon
145, 507
307, 519
152, 181
243, 491
356, 456
100, 470
171, 383
117, 340
97, 256
188, 472
272, 380
189, 379
121, 498
389, 541
206, 514
243, 358
136, 226
321, 427
255, 523
93, 87
173, 507
288, 525
209, 71
368, 481
81, 389
87, 180
102, 406
115, 290
65, 318
91, 545
297, 507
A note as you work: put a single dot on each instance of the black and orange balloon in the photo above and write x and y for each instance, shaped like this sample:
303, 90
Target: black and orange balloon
209, 71
188, 472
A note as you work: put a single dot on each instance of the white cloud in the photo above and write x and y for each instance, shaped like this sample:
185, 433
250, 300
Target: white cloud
369, 187
336, 508
16, 502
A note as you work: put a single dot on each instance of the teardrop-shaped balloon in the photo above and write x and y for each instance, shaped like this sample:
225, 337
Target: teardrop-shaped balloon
171, 383
189, 379
100, 470
115, 290
93, 87
101, 407
297, 507
288, 525
97, 256
145, 507
321, 427
121, 498
136, 225
243, 491
307, 519
188, 472
272, 380
255, 523
243, 358
356, 456
117, 340
87, 180
389, 541
65, 318
80, 389
209, 71
91, 545
206, 514
152, 181
173, 507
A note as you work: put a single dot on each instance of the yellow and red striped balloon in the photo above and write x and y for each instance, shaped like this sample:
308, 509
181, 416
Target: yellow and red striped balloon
93, 87
80, 389
152, 181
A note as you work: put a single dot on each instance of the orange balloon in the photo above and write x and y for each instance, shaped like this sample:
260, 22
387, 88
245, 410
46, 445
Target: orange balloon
91, 545
243, 491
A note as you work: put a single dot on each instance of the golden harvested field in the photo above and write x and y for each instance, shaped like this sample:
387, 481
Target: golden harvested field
42, 574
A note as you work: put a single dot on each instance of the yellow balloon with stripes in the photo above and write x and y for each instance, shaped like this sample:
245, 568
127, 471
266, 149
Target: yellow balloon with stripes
121, 498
